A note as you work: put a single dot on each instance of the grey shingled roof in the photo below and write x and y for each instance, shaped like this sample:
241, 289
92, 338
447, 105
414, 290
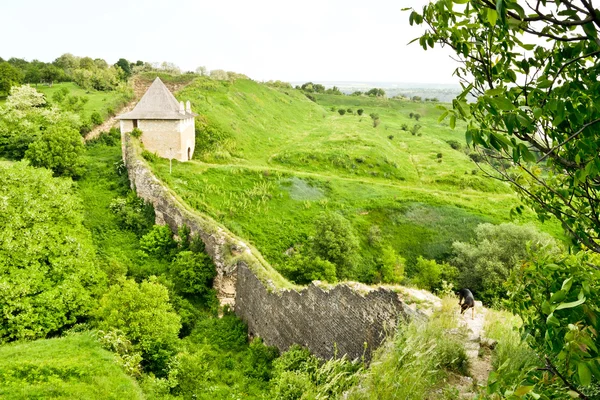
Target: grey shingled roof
157, 103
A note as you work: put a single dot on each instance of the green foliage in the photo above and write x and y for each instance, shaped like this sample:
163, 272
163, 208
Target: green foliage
336, 242
133, 213
456, 145
431, 275
487, 261
47, 264
110, 138
149, 156
70, 367
556, 296
417, 360
145, 316
192, 273
9, 77
341, 111
303, 269
58, 148
96, 118
539, 79
159, 242
360, 111
376, 92
136, 133
391, 267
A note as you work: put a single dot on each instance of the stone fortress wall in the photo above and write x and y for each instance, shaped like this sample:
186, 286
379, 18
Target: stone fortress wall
345, 319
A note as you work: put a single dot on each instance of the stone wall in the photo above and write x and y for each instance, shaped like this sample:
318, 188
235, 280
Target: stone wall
350, 317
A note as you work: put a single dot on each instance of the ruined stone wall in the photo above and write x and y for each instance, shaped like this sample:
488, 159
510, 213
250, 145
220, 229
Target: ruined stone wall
342, 317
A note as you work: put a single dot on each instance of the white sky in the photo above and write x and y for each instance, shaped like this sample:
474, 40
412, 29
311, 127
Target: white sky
319, 40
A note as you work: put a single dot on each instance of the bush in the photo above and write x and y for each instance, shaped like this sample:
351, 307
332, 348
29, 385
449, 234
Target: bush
415, 129
376, 123
430, 275
487, 261
391, 266
136, 133
192, 273
374, 116
336, 242
110, 138
303, 269
476, 157
149, 156
349, 111
439, 155
145, 316
404, 127
417, 116
96, 118
59, 148
454, 144
159, 242
360, 111
341, 111
133, 213
391, 137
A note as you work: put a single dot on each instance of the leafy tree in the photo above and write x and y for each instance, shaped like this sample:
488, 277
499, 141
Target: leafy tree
376, 92
192, 273
125, 66
335, 241
87, 63
430, 275
49, 278
417, 116
67, 62
50, 73
391, 269
304, 269
487, 261
58, 148
360, 111
9, 77
415, 129
143, 313
33, 73
533, 72
159, 242
557, 299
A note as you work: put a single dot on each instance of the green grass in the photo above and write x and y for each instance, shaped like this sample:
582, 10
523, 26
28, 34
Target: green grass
117, 247
71, 367
102, 102
273, 160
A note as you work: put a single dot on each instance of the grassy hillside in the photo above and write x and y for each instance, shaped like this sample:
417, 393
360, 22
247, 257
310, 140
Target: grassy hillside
71, 367
269, 161
103, 102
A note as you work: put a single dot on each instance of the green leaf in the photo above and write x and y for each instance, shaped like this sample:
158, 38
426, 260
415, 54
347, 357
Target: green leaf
503, 103
453, 121
443, 116
523, 390
558, 296
469, 138
537, 112
585, 376
571, 304
566, 285
552, 320
492, 16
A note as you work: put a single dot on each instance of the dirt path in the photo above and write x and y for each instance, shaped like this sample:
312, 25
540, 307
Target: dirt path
479, 359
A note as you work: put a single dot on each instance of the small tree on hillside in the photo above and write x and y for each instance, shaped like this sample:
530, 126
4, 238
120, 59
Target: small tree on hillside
360, 111
335, 241
9, 77
342, 111
417, 116
58, 149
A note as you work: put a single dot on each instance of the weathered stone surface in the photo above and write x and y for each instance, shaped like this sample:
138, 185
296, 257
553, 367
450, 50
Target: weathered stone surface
340, 320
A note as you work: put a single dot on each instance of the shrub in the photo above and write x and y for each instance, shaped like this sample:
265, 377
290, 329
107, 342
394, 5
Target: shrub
349, 111
335, 241
411, 115
192, 273
404, 127
341, 111
311, 97
391, 266
96, 118
376, 123
417, 116
486, 262
59, 148
360, 111
304, 269
149, 156
476, 157
145, 316
439, 155
374, 116
454, 144
159, 242
133, 213
415, 129
391, 137
110, 138
430, 274
136, 133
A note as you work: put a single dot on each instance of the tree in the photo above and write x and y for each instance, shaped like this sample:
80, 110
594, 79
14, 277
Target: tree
145, 315
488, 260
192, 273
50, 73
360, 111
336, 242
201, 70
533, 69
58, 148
341, 111
49, 277
125, 66
9, 77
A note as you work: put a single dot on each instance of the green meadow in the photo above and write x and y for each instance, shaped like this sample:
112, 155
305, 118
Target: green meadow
269, 160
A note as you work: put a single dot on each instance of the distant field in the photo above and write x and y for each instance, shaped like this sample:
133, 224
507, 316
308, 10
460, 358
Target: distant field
272, 160
71, 367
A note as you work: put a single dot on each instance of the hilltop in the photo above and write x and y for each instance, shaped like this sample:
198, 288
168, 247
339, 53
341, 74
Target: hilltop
269, 161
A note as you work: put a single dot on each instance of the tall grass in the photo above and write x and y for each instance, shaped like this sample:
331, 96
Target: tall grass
418, 361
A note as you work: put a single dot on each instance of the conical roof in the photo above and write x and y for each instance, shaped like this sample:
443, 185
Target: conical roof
157, 103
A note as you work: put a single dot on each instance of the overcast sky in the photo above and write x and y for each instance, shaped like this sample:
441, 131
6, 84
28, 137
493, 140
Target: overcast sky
319, 40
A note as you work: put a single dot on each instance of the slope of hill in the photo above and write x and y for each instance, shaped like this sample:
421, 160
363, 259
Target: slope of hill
270, 161
71, 367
